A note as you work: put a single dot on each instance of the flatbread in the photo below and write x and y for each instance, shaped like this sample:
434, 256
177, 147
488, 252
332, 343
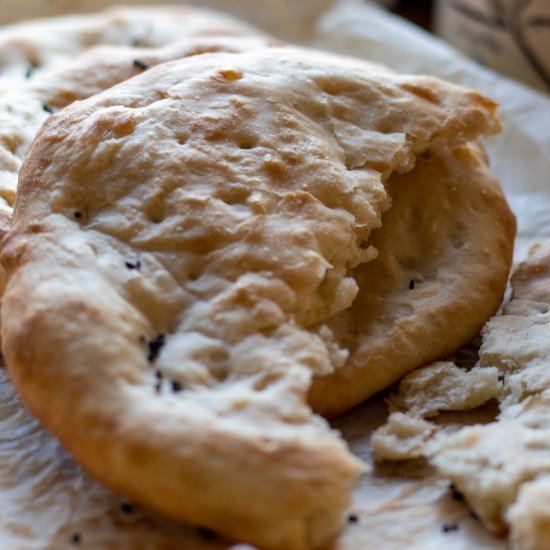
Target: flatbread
44, 44
283, 18
48, 502
431, 288
180, 242
47, 64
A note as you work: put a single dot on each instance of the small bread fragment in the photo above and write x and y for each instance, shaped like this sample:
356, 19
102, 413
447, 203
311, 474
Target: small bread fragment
425, 393
529, 516
443, 386
498, 466
401, 437
181, 244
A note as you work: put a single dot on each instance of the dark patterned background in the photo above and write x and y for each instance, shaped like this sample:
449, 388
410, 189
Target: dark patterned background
417, 11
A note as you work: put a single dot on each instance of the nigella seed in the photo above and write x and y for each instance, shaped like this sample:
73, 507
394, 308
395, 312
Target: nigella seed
78, 215
456, 494
76, 538
155, 345
206, 533
158, 375
158, 386
126, 508
176, 386
411, 284
141, 64
133, 265
353, 518
449, 527
47, 108
28, 72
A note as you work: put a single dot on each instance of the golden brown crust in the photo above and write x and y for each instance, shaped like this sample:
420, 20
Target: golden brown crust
180, 243
445, 249
47, 64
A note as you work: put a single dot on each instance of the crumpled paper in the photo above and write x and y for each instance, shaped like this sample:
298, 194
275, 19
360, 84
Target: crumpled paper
47, 502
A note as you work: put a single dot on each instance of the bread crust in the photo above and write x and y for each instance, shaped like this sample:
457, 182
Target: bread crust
47, 64
445, 250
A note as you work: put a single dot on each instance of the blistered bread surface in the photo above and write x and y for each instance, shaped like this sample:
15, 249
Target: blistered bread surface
180, 244
47, 64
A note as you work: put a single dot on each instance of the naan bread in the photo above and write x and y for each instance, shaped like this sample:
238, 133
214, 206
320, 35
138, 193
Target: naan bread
47, 64
48, 502
181, 243
36, 46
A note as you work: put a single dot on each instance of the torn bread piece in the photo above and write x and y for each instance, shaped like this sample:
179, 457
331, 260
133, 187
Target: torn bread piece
402, 437
47, 64
444, 386
501, 468
489, 463
492, 464
445, 248
424, 394
180, 245
529, 516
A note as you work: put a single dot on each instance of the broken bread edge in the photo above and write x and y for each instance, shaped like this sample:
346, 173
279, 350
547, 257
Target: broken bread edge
99, 395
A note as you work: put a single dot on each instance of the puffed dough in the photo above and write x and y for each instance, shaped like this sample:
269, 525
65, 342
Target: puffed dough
47, 64
182, 246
